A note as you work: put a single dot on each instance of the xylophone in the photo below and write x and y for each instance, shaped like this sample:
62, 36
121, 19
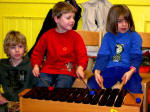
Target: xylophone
40, 99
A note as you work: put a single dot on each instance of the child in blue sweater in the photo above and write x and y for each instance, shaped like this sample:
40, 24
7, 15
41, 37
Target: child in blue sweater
120, 54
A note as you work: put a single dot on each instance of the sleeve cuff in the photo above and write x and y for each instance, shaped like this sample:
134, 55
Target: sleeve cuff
132, 67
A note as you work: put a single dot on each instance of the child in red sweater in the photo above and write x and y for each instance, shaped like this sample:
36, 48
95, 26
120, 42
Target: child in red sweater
66, 56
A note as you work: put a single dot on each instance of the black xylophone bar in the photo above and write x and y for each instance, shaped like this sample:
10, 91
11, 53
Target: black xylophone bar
77, 95
110, 96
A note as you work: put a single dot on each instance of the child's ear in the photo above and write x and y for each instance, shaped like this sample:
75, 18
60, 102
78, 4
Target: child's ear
55, 19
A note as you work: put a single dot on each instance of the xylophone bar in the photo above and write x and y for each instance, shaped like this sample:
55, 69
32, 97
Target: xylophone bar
79, 95
59, 100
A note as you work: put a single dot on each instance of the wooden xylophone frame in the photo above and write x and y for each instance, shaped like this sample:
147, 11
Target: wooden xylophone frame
35, 105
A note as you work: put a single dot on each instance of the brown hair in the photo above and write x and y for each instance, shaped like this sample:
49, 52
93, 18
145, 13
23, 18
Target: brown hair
61, 8
14, 37
114, 13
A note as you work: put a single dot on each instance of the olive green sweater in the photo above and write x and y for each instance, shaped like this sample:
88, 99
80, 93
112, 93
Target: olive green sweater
16, 79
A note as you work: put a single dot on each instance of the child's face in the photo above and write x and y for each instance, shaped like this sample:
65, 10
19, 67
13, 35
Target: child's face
123, 24
16, 52
65, 22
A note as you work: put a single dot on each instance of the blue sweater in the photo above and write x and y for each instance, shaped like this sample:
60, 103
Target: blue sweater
123, 49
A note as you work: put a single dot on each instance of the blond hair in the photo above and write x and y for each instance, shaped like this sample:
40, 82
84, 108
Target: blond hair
14, 38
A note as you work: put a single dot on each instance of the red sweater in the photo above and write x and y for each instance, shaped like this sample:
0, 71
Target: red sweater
65, 51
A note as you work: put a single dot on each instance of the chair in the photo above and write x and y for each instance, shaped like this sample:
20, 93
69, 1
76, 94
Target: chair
90, 38
145, 76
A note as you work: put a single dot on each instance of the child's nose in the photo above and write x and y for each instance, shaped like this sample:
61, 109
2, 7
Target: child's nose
17, 49
124, 22
72, 20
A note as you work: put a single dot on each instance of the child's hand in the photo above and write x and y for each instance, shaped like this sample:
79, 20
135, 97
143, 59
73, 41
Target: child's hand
36, 71
99, 79
80, 72
3, 100
127, 76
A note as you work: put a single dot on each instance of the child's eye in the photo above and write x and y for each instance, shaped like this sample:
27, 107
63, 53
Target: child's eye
122, 20
12, 47
68, 17
20, 46
119, 21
